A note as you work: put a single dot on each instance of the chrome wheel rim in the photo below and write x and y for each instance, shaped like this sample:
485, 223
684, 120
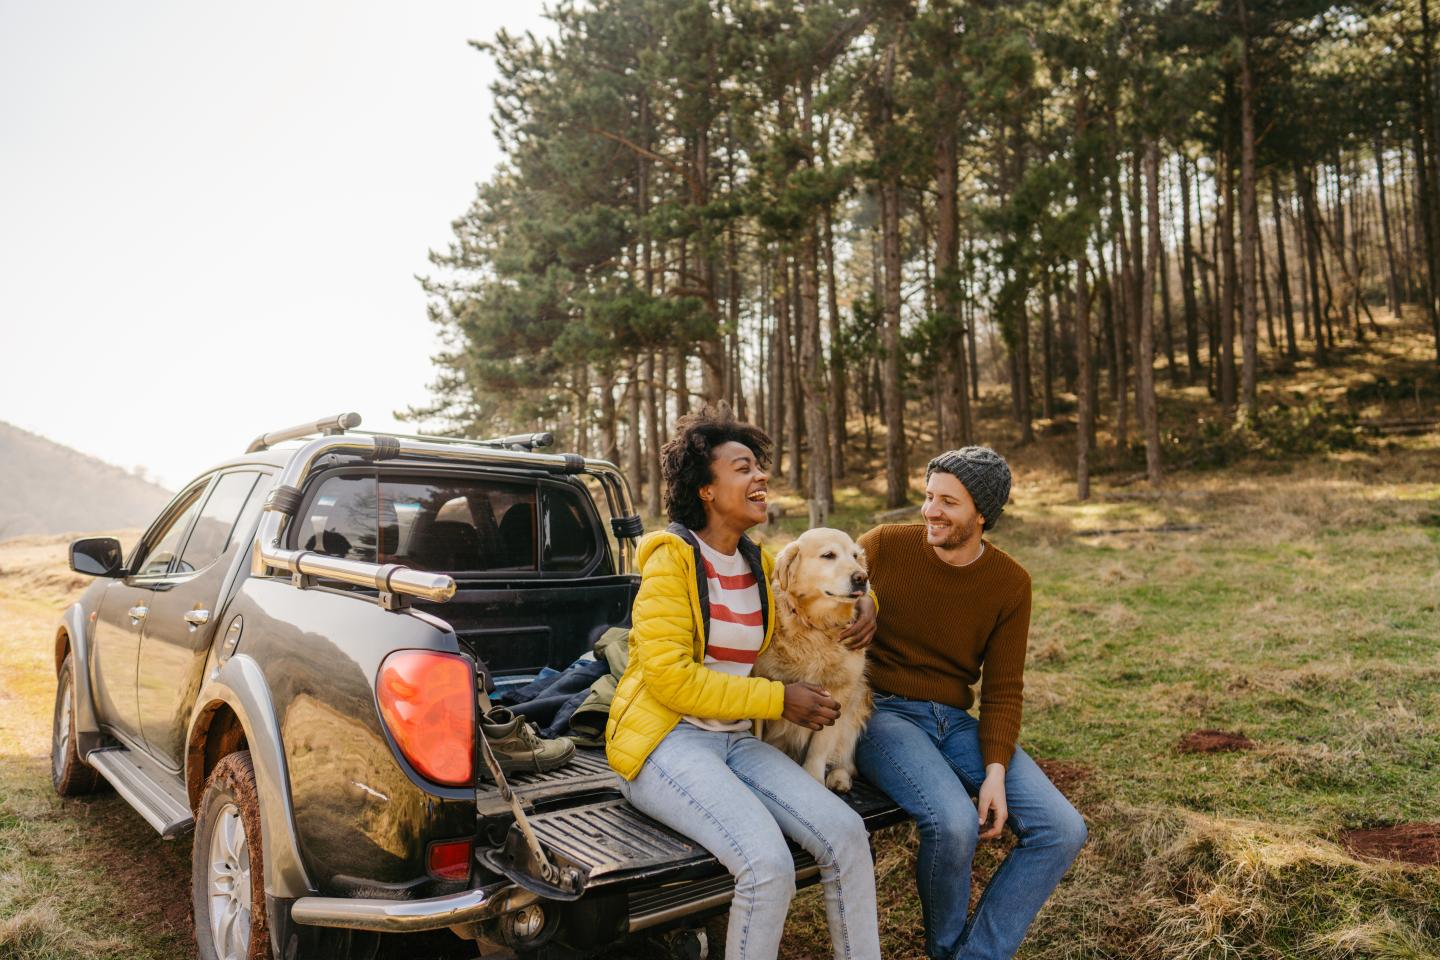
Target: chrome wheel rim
228, 885
60, 740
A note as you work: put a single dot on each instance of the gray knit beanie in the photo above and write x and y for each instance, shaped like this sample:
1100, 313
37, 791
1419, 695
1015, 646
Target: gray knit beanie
985, 475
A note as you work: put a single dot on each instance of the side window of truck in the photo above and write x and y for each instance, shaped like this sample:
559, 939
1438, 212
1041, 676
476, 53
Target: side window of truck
157, 553
211, 535
569, 543
342, 519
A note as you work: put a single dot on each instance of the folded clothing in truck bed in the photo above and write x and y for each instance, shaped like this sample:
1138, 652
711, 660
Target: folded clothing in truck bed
575, 701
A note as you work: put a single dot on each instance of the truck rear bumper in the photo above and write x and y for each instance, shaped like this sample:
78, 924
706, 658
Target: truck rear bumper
406, 916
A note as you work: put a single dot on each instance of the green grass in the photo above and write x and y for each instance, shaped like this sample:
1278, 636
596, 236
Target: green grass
1305, 616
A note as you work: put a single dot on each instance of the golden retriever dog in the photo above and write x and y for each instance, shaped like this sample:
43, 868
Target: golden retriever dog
818, 578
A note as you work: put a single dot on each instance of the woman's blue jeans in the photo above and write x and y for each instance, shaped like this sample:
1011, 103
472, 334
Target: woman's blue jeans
926, 756
740, 798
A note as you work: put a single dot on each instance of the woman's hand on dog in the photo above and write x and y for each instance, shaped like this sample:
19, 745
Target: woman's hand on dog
861, 631
807, 705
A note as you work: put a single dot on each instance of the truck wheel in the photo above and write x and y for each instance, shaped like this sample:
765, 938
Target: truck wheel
70, 775
227, 888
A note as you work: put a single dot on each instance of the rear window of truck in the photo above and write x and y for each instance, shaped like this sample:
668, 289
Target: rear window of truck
457, 525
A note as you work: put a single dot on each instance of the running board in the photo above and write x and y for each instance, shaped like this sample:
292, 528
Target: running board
146, 788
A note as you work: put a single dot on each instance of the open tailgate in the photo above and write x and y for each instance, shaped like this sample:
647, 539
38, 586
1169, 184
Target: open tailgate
607, 842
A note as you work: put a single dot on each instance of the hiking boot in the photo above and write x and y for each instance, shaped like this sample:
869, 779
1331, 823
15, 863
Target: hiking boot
518, 748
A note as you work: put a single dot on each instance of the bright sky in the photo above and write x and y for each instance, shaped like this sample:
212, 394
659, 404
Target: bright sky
211, 215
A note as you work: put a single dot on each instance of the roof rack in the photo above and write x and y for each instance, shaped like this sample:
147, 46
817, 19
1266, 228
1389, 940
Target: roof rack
346, 422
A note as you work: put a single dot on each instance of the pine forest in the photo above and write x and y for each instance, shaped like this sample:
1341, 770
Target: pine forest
854, 221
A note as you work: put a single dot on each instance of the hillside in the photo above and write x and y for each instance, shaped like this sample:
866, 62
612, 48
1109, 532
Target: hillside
47, 488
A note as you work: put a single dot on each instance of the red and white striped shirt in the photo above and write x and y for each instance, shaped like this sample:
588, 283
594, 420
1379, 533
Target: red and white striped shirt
737, 627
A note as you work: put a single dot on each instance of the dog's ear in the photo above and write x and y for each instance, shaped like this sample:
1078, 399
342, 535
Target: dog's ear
784, 565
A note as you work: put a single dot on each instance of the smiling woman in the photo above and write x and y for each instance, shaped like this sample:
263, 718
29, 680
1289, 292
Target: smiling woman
713, 467
679, 732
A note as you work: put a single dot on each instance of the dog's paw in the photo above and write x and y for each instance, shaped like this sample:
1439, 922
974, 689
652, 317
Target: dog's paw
838, 780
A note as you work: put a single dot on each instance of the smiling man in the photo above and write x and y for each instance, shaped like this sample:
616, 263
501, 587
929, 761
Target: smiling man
956, 610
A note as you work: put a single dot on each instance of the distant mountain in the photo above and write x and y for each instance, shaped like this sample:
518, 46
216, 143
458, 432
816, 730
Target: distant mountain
46, 488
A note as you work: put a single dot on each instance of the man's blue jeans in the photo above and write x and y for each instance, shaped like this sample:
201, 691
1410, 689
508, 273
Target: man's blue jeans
926, 756
740, 798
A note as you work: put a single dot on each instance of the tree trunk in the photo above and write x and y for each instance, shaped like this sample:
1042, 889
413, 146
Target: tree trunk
1261, 268
1358, 236
971, 323
609, 438
1209, 283
1047, 345
780, 374
763, 345
1118, 285
634, 456
1084, 379
896, 472
1426, 157
795, 417
956, 405
1249, 223
1312, 245
1226, 232
654, 403
1192, 330
1287, 309
1167, 327
1408, 240
711, 348
1351, 308
1145, 362
1022, 364
1084, 392
1392, 273
812, 371
838, 399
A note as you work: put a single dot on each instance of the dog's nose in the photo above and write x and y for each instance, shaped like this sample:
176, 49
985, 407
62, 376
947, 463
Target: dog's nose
858, 580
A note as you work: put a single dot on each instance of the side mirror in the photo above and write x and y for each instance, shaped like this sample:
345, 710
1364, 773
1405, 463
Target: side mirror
97, 556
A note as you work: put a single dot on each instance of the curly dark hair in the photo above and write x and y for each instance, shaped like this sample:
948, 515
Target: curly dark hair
685, 458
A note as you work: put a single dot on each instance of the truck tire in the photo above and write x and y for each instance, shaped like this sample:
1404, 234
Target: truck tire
227, 887
69, 774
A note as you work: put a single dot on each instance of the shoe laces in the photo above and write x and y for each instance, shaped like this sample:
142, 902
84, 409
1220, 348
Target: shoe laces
530, 735
524, 729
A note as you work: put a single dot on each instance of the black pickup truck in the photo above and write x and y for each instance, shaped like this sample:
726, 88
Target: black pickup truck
288, 663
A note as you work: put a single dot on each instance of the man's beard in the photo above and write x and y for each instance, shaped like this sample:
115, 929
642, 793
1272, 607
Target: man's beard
959, 536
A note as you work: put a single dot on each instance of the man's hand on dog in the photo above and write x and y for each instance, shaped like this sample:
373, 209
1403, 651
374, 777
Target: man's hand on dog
807, 705
861, 631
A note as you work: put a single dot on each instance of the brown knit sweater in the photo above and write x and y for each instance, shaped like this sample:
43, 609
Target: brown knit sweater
940, 625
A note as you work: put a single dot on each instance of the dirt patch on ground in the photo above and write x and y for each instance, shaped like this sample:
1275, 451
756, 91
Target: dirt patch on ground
1066, 775
1214, 741
1406, 842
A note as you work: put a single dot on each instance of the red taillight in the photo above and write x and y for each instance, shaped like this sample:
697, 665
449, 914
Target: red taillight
450, 860
427, 700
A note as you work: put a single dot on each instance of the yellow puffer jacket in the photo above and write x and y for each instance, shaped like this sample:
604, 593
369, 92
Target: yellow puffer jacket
666, 677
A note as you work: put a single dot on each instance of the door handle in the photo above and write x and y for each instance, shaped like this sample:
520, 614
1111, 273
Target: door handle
197, 617
138, 613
